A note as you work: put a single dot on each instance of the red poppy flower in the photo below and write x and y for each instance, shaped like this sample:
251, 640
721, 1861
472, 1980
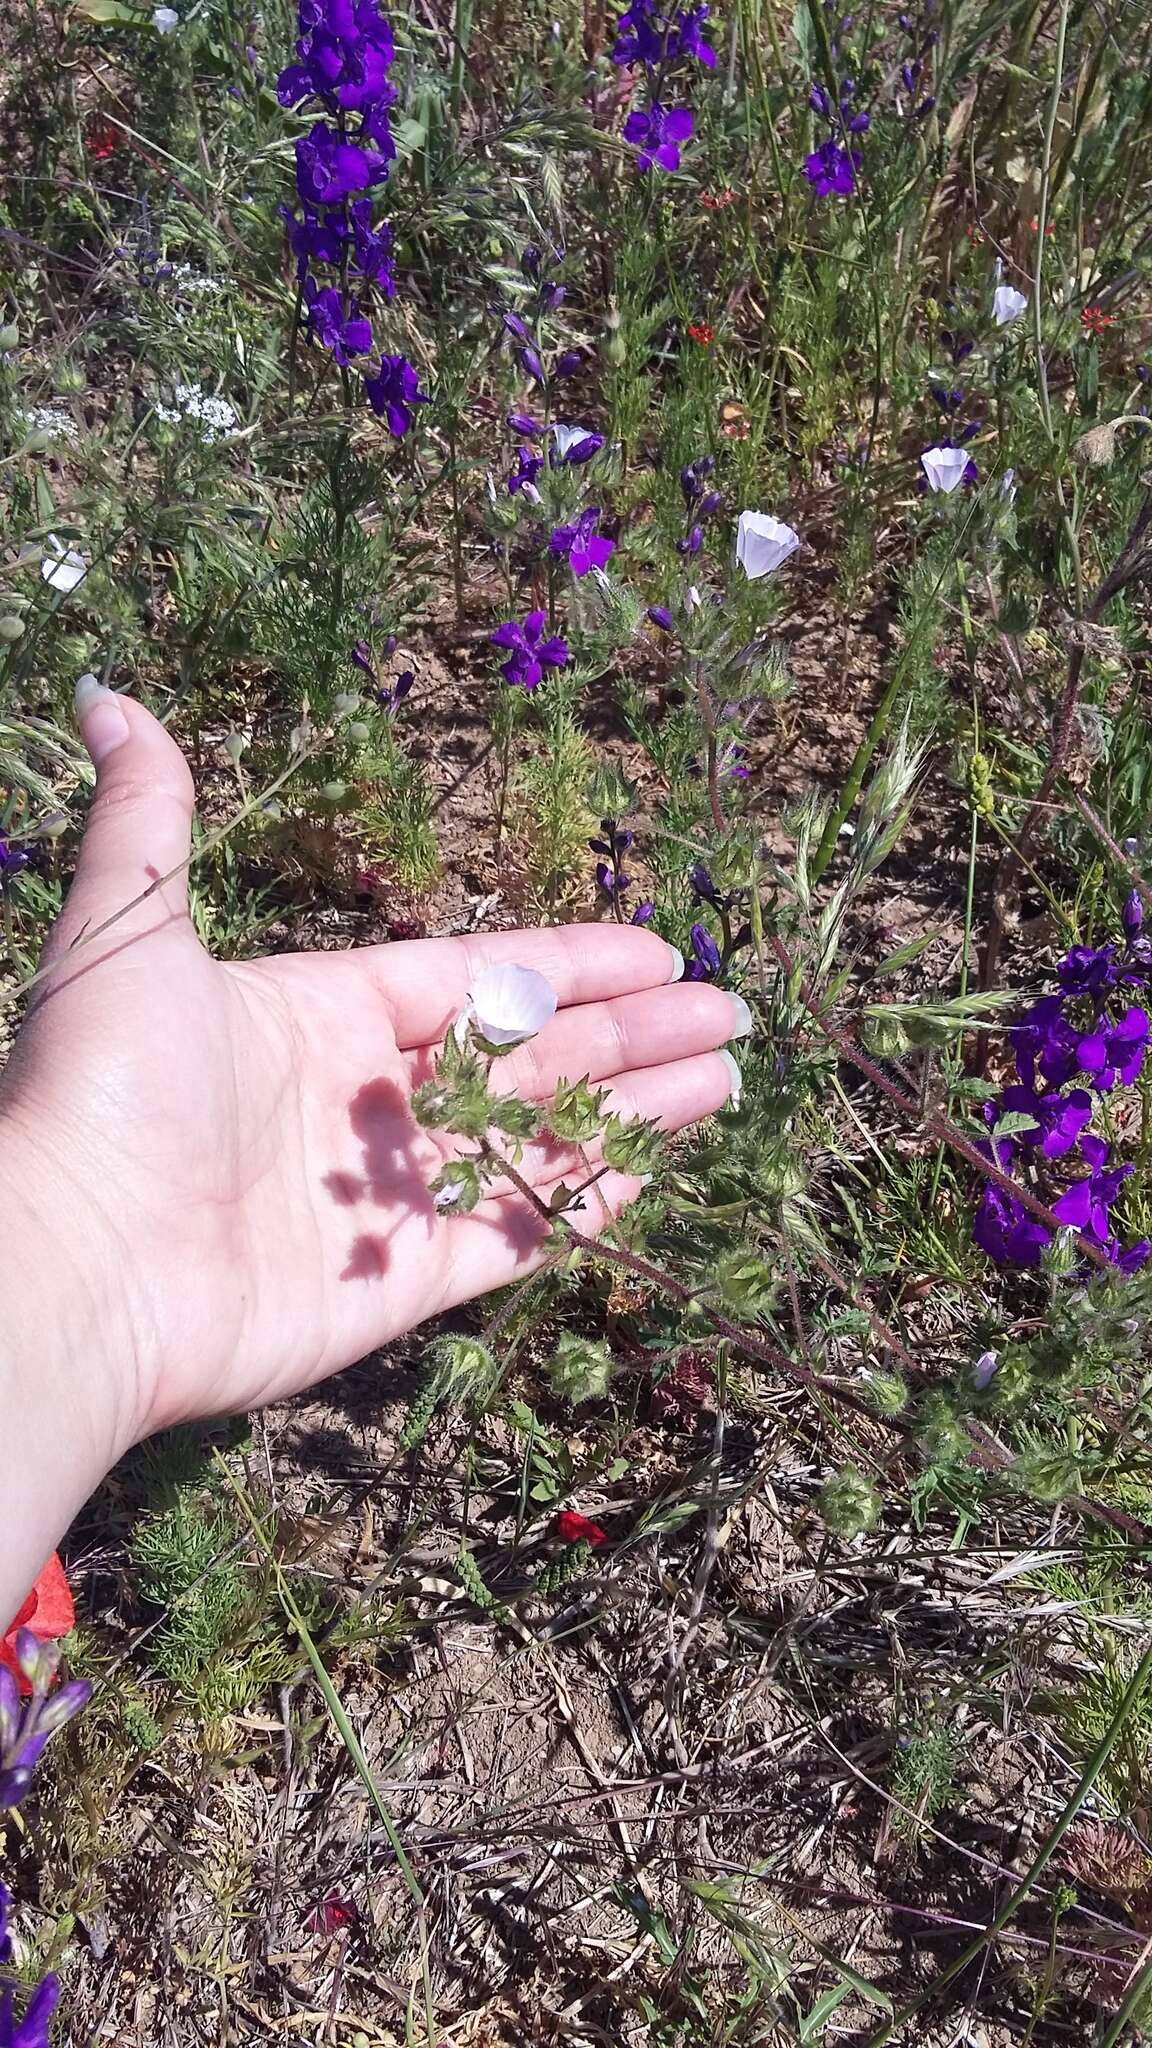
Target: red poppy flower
102, 141
49, 1611
333, 1915
574, 1528
701, 333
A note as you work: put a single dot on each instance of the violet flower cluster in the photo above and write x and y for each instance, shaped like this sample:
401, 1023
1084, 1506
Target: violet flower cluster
700, 504
1089, 1036
831, 168
611, 880
26, 1728
13, 858
529, 651
657, 40
344, 53
32, 2030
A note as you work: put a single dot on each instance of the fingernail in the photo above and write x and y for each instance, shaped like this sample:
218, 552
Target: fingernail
677, 973
100, 718
744, 1021
737, 1079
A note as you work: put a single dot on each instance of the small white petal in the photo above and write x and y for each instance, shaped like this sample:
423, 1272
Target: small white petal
693, 601
565, 438
984, 1370
164, 20
944, 467
1008, 485
509, 1004
762, 543
62, 568
1007, 304
445, 1196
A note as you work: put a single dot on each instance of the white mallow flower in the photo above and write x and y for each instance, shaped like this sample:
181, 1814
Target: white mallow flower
1007, 304
61, 566
944, 467
508, 1004
164, 20
762, 543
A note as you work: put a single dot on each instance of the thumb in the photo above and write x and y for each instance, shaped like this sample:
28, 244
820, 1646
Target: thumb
140, 825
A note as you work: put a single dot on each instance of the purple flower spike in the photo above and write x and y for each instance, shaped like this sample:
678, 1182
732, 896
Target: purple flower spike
529, 653
585, 548
393, 391
657, 135
832, 170
345, 335
705, 964
1004, 1229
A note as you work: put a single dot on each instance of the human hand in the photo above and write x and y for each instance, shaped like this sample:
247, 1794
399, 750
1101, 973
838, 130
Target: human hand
223, 1157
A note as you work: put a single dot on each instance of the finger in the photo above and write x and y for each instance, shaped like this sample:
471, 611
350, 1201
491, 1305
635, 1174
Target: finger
598, 1040
426, 981
139, 827
672, 1096
506, 1238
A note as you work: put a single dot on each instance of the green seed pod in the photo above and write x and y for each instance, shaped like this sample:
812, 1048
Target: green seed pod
37, 443
334, 792
71, 378
11, 628
345, 703
9, 336
234, 746
848, 1503
359, 733
580, 1370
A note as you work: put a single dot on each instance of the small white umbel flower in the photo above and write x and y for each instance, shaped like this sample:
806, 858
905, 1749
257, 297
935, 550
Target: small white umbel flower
507, 1005
762, 543
944, 467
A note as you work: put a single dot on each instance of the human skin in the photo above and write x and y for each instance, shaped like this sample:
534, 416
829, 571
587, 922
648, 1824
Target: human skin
216, 1193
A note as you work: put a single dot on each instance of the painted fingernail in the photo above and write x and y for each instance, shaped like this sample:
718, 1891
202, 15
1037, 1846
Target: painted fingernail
677, 973
101, 719
744, 1020
737, 1079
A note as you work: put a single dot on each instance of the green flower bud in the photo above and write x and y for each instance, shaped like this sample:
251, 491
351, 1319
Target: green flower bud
71, 378
37, 443
345, 703
457, 1188
848, 1503
11, 628
9, 336
885, 1392
334, 792
359, 733
575, 1112
580, 1370
463, 1369
632, 1147
744, 1282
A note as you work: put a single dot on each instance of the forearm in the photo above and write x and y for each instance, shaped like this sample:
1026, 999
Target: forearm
63, 1383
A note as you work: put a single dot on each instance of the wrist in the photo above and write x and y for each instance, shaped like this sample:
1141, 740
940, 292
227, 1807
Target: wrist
67, 1384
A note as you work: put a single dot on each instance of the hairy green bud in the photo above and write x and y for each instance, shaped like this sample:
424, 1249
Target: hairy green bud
580, 1370
575, 1112
516, 1118
632, 1147
942, 1437
885, 1392
463, 1370
848, 1503
744, 1282
457, 1187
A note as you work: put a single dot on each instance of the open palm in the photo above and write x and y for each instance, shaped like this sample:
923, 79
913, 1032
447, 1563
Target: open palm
244, 1186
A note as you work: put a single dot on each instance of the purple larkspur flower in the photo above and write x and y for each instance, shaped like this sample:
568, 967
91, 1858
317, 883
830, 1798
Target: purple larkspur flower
27, 1726
819, 102
315, 237
514, 326
1003, 1228
523, 477
393, 391
566, 365
523, 423
344, 335
393, 694
1085, 1205
657, 39
329, 169
657, 134
1116, 1052
701, 883
584, 547
1044, 1039
643, 913
1088, 970
13, 858
831, 169
1059, 1119
705, 963
529, 653
530, 363
1132, 915
575, 445
692, 542
372, 247
661, 617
